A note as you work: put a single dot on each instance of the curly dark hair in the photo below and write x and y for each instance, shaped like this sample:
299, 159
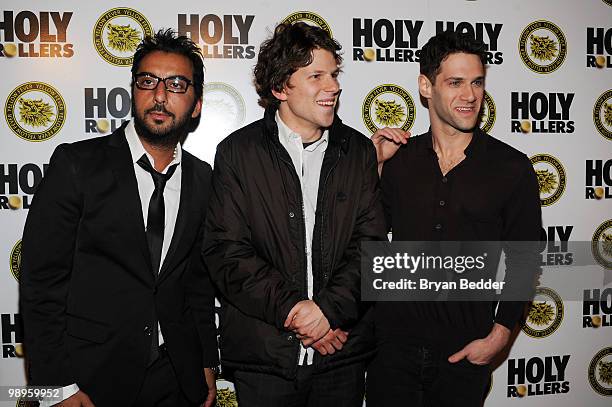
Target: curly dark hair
167, 41
289, 49
444, 44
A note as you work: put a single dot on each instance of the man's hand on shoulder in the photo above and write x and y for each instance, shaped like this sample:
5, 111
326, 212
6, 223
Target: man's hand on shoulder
482, 351
387, 141
334, 340
78, 399
307, 320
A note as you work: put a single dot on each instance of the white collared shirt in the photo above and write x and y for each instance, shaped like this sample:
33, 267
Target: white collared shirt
307, 162
172, 197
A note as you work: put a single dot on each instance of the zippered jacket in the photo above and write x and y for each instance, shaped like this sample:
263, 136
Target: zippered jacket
255, 248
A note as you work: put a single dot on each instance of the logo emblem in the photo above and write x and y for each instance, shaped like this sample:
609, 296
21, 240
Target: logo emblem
551, 178
223, 111
223, 107
600, 372
487, 113
601, 245
118, 32
15, 261
542, 47
602, 114
388, 105
309, 18
35, 111
544, 315
226, 395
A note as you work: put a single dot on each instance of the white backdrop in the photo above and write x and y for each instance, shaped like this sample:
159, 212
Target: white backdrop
65, 79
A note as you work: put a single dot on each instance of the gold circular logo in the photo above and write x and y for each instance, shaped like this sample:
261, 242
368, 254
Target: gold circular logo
9, 49
551, 178
602, 114
118, 32
488, 113
226, 395
388, 105
545, 314
26, 403
601, 244
15, 260
600, 372
35, 111
542, 47
309, 17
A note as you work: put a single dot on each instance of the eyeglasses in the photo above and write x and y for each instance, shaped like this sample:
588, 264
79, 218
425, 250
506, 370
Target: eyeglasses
174, 84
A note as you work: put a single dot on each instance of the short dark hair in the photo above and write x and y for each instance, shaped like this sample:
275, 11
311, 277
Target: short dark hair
167, 41
289, 49
444, 44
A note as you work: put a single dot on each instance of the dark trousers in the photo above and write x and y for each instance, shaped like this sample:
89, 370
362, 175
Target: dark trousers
421, 376
160, 387
339, 387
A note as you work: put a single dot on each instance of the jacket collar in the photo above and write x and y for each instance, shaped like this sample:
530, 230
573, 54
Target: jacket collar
337, 137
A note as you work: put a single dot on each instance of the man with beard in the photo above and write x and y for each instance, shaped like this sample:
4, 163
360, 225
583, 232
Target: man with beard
117, 305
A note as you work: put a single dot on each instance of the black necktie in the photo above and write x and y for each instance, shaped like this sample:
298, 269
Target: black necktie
156, 212
155, 232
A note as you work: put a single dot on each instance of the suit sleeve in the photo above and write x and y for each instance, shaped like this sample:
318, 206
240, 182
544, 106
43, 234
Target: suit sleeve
522, 223
47, 253
201, 296
244, 279
340, 300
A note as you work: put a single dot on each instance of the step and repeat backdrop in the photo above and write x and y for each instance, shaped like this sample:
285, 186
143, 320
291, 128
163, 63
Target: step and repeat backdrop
65, 77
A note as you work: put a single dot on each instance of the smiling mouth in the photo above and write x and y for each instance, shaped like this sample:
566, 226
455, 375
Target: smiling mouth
327, 102
465, 109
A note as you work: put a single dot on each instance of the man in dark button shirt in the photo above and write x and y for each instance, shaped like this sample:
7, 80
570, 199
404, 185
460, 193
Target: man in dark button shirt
453, 183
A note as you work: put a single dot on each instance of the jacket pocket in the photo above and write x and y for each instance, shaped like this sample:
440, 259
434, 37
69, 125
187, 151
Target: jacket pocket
87, 329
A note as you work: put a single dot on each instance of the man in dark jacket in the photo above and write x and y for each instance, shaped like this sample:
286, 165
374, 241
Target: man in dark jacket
294, 195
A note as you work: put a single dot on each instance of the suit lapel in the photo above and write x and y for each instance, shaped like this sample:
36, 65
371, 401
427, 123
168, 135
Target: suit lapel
120, 162
182, 218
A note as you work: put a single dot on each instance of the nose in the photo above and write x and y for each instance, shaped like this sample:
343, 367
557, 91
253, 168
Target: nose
160, 92
332, 85
468, 93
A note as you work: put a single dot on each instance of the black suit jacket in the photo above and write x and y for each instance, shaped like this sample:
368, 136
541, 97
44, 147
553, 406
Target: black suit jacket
88, 294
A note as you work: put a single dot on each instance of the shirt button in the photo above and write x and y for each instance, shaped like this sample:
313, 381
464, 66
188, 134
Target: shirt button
438, 226
442, 203
291, 214
290, 338
147, 330
444, 180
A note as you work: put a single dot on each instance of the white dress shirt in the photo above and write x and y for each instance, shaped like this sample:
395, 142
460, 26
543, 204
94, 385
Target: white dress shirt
307, 162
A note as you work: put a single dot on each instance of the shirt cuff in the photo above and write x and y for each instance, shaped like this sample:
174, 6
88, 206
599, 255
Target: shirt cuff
67, 391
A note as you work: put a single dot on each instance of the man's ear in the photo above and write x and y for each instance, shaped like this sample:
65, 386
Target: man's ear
280, 95
425, 86
197, 109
